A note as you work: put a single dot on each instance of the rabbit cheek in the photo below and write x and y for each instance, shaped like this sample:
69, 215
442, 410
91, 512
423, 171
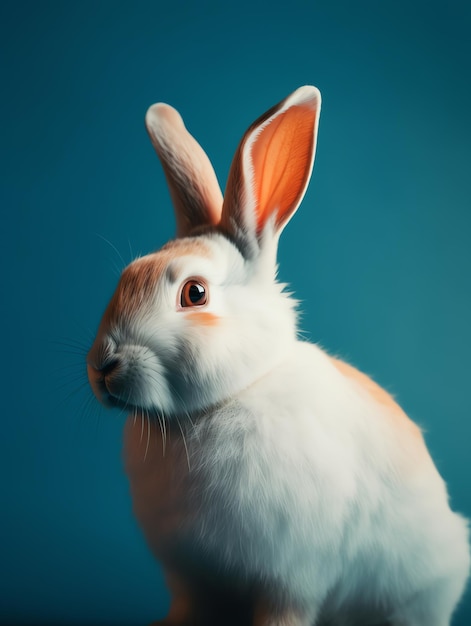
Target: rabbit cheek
142, 381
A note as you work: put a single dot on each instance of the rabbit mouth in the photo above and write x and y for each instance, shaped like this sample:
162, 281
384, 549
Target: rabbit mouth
131, 377
114, 389
111, 395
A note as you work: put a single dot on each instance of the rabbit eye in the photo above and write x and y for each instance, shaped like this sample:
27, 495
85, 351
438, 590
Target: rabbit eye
194, 293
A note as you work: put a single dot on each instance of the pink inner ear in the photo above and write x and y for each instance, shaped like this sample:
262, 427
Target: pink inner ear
282, 157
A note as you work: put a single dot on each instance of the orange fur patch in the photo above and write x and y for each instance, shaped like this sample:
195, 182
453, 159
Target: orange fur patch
203, 318
181, 607
139, 279
378, 394
157, 467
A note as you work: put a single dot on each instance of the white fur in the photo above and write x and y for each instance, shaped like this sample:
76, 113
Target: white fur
315, 495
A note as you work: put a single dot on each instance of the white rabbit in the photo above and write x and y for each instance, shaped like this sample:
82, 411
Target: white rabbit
278, 486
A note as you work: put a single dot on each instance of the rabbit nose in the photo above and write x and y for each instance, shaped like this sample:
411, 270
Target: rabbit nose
102, 356
109, 367
105, 370
109, 380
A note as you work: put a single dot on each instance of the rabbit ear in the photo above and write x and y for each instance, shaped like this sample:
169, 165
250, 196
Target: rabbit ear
271, 169
194, 188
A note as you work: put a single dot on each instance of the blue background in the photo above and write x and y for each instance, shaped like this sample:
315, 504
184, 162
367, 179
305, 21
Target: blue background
379, 252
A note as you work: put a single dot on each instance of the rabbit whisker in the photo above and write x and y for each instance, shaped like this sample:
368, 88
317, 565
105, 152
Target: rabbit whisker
113, 248
184, 443
148, 435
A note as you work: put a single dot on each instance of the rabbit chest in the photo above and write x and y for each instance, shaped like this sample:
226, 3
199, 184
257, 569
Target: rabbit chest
257, 485
289, 486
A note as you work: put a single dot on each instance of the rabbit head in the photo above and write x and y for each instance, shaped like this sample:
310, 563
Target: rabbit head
199, 320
